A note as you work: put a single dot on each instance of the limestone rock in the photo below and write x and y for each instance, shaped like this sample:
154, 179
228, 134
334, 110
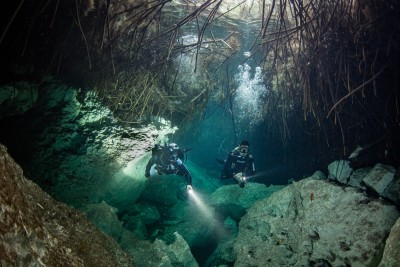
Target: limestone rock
231, 200
81, 154
36, 230
223, 255
144, 212
384, 180
176, 252
193, 221
163, 189
17, 98
392, 192
224, 252
357, 176
340, 170
314, 222
104, 217
319, 175
391, 254
136, 218
379, 178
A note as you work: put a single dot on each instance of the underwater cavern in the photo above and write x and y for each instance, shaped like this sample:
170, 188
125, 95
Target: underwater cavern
92, 90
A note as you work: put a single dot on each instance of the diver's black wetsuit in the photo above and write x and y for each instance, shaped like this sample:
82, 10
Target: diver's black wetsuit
236, 163
169, 161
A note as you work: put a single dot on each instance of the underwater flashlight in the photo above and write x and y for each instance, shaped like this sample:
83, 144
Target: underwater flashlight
189, 189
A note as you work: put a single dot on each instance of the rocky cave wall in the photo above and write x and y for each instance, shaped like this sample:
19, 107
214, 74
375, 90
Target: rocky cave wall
77, 151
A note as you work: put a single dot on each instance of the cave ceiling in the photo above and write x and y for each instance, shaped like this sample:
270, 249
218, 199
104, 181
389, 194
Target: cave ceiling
331, 66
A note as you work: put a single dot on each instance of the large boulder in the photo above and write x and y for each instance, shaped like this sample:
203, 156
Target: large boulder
136, 218
382, 180
175, 252
233, 201
104, 217
193, 219
163, 189
178, 251
36, 230
340, 170
391, 254
379, 178
315, 223
223, 255
356, 178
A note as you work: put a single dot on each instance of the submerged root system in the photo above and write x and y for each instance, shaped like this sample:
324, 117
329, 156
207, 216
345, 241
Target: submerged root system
335, 62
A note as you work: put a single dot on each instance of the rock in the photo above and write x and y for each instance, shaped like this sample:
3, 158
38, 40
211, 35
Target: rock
36, 230
144, 212
392, 192
81, 154
231, 200
126, 185
231, 227
223, 255
163, 189
391, 253
356, 178
160, 253
319, 175
194, 221
104, 217
384, 180
178, 251
314, 223
379, 178
224, 252
138, 216
17, 98
138, 228
340, 170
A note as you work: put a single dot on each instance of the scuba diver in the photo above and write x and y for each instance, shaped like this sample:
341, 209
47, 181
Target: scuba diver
239, 164
168, 159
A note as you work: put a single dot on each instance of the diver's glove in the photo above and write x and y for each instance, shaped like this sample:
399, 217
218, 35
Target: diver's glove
189, 188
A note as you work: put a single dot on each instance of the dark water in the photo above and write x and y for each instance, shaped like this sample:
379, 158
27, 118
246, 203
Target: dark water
214, 137
241, 117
